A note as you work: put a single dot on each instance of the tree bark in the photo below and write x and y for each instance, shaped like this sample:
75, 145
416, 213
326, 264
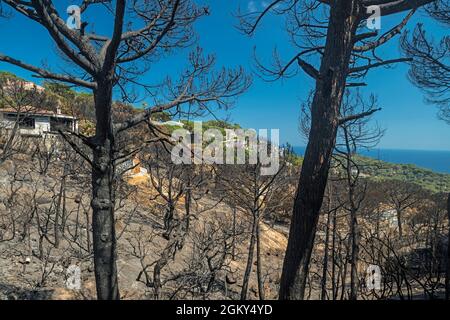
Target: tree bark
174, 244
248, 268
7, 148
399, 223
103, 198
345, 262
447, 277
354, 281
323, 284
258, 262
233, 243
324, 122
57, 227
333, 258
354, 229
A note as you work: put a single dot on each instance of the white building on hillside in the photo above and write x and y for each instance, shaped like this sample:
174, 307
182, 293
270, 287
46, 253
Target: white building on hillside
37, 122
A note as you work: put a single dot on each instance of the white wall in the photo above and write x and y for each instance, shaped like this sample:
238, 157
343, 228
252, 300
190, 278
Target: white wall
41, 125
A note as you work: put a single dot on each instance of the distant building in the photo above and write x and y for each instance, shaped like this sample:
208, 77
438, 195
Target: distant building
132, 168
390, 216
33, 86
26, 85
37, 122
173, 123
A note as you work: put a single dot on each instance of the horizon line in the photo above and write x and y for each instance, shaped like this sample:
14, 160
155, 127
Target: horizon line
390, 148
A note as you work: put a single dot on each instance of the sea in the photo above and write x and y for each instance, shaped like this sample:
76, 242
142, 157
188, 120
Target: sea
437, 161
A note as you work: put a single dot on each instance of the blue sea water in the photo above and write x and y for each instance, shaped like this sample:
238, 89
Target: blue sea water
437, 161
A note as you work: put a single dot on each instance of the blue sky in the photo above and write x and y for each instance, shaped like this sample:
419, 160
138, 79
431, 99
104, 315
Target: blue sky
409, 122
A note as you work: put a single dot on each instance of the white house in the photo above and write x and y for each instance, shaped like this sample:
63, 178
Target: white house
133, 168
37, 122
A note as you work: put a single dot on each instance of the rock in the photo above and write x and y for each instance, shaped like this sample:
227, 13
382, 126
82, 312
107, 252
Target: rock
77, 198
230, 279
253, 290
43, 200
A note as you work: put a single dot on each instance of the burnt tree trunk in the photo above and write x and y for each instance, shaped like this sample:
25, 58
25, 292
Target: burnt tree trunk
248, 268
174, 244
103, 198
323, 284
330, 86
57, 227
169, 219
233, 243
7, 148
399, 223
259, 262
354, 281
344, 258
354, 229
64, 209
447, 277
333, 258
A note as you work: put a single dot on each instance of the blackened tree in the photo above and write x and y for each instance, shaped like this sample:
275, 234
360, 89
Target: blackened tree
141, 33
330, 33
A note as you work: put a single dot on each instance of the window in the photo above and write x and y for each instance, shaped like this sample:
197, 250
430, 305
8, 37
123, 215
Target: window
60, 124
10, 117
26, 123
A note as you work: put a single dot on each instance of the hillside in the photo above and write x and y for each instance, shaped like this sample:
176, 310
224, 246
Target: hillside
371, 168
380, 170
374, 169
